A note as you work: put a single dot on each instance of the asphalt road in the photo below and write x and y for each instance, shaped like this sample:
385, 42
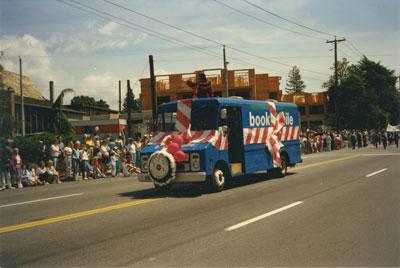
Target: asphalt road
338, 208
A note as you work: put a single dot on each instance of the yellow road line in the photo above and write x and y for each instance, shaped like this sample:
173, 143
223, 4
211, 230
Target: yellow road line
76, 215
124, 205
325, 162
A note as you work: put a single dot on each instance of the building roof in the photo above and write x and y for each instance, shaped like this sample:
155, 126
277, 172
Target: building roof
12, 80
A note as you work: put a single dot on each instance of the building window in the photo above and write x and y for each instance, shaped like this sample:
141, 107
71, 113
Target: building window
187, 96
162, 99
273, 95
316, 109
217, 93
302, 110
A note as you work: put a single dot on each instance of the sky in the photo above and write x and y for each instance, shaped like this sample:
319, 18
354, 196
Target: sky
90, 45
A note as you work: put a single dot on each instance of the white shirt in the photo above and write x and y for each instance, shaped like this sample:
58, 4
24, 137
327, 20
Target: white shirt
40, 170
67, 151
52, 171
104, 150
126, 171
131, 148
54, 150
84, 155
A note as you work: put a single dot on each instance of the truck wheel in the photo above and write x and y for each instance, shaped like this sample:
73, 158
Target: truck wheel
280, 172
217, 180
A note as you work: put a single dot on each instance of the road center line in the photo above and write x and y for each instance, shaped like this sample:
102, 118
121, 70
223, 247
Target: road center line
39, 200
244, 223
376, 172
76, 215
324, 162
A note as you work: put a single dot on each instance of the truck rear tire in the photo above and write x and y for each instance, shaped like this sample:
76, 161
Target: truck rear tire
280, 172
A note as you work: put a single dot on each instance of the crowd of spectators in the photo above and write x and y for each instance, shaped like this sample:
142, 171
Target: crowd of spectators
94, 158
89, 158
320, 141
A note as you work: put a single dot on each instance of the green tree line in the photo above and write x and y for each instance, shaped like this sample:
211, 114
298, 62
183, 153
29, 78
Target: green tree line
367, 97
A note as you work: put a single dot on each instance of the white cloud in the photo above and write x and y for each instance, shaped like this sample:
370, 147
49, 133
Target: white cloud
140, 39
101, 86
109, 28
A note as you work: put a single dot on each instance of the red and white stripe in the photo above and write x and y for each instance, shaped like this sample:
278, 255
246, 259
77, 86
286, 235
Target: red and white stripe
215, 137
259, 135
183, 111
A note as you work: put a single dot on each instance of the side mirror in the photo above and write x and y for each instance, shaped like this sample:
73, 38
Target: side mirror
223, 113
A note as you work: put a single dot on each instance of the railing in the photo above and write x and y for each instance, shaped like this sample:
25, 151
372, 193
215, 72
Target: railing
299, 99
162, 84
215, 79
241, 79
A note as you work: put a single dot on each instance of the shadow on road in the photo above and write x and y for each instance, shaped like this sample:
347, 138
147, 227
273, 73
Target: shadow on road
188, 190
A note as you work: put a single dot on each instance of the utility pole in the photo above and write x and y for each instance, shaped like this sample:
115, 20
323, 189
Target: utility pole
119, 100
336, 81
226, 75
128, 86
22, 97
153, 91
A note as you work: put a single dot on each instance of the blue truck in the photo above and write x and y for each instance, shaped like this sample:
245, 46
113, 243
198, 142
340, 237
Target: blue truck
227, 138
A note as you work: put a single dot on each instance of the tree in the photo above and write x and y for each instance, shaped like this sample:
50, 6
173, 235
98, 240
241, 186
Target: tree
59, 123
102, 103
343, 72
367, 96
295, 84
136, 104
86, 100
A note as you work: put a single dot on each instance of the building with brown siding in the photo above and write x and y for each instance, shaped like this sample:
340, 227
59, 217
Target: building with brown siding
36, 106
313, 108
243, 82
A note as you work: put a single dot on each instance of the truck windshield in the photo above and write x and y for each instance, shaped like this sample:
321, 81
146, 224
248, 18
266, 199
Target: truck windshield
203, 117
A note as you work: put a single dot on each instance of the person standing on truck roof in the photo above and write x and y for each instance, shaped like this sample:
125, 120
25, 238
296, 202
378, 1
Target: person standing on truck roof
202, 88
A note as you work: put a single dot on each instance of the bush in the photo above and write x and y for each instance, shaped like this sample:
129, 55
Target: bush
28, 145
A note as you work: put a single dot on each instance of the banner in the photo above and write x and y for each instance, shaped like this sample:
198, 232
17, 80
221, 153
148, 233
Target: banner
391, 128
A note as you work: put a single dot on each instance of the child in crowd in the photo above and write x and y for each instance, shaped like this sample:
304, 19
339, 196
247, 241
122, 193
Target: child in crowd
28, 176
96, 168
17, 167
105, 155
129, 168
113, 164
76, 158
132, 150
84, 157
118, 160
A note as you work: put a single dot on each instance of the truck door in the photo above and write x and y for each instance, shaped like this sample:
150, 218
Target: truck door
235, 139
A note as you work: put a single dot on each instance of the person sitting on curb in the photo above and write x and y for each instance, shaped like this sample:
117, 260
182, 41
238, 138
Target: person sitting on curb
53, 174
42, 173
28, 176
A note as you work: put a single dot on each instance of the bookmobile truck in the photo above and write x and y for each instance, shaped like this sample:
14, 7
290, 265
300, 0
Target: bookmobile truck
213, 140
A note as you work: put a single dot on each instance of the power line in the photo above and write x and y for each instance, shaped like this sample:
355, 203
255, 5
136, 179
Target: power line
148, 31
264, 21
290, 21
362, 54
352, 50
159, 21
170, 39
207, 39
274, 61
